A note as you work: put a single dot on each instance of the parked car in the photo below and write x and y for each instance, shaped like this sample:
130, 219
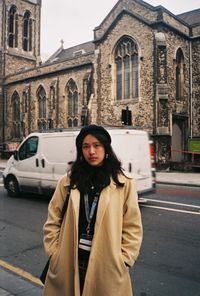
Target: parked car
42, 158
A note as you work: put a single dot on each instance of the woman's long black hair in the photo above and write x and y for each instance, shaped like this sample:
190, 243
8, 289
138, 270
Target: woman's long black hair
83, 176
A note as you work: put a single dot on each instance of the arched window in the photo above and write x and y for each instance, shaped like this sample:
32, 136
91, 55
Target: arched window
16, 115
27, 32
126, 69
41, 96
72, 103
180, 79
13, 27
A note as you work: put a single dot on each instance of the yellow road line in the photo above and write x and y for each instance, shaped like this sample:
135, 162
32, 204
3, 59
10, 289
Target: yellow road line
21, 272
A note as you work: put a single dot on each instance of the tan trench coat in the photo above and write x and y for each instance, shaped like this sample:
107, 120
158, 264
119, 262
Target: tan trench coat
117, 239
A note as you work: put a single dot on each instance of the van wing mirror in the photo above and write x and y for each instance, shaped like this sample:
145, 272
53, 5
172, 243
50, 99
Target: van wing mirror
16, 155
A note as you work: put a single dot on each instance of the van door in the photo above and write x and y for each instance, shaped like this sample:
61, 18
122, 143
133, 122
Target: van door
57, 150
26, 168
132, 148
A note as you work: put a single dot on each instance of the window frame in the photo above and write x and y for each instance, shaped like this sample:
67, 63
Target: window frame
126, 70
27, 32
42, 108
13, 27
72, 104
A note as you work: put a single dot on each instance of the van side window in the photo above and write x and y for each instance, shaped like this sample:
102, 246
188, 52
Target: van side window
29, 148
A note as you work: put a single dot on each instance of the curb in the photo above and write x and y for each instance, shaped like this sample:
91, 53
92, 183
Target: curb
177, 184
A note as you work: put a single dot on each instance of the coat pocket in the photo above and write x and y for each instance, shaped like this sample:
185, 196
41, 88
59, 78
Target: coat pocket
124, 266
53, 266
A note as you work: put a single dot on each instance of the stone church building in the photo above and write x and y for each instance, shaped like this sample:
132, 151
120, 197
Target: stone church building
142, 68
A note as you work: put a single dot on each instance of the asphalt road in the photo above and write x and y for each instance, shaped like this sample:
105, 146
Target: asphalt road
169, 263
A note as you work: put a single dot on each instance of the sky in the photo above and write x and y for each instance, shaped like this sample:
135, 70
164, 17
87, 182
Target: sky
74, 21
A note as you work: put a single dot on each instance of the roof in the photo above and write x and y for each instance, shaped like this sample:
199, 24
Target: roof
72, 52
191, 17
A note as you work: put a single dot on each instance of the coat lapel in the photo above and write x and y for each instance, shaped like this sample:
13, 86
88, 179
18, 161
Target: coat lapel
75, 198
102, 206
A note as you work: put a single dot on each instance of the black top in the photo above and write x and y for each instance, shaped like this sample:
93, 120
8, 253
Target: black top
96, 180
83, 220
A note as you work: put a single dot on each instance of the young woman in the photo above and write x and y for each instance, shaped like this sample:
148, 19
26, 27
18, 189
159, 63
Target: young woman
92, 249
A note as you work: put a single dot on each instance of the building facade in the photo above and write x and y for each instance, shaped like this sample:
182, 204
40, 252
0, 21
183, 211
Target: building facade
142, 69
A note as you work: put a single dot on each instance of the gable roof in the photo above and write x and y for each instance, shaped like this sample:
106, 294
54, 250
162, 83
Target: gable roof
192, 18
72, 52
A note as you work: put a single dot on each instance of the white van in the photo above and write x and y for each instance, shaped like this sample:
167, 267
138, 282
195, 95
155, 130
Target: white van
42, 158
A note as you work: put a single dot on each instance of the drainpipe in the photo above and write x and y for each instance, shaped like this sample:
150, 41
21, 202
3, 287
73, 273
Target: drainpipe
3, 71
191, 88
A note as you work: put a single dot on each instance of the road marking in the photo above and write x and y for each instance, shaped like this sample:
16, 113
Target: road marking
21, 272
173, 203
170, 209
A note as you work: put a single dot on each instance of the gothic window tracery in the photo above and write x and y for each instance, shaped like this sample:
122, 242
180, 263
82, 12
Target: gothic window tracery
126, 69
27, 31
72, 103
41, 97
13, 27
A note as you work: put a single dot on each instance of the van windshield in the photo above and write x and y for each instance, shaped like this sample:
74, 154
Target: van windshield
28, 148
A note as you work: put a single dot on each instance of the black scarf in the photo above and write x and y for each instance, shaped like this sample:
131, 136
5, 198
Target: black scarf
93, 178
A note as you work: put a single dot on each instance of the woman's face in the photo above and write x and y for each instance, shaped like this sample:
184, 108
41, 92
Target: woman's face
93, 151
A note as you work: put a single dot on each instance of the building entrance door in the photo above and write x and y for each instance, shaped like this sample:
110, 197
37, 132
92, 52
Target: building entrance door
178, 139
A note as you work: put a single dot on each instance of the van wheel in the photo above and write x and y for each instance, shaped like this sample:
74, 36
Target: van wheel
12, 186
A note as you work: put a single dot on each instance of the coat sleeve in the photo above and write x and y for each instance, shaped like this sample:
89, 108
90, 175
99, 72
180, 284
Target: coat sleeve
132, 231
51, 228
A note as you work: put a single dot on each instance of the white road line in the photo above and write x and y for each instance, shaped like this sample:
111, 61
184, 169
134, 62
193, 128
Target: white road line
169, 209
173, 203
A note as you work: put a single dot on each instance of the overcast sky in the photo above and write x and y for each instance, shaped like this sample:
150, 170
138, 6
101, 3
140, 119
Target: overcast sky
74, 20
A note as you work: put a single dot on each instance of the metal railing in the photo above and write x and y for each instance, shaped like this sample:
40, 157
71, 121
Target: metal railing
194, 157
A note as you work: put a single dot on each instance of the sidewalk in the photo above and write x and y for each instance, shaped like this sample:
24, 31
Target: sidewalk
178, 178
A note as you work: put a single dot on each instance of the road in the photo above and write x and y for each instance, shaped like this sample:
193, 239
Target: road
169, 263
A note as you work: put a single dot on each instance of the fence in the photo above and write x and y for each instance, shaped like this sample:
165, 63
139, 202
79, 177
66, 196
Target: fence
189, 156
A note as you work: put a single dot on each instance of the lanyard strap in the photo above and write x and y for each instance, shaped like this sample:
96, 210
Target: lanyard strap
90, 214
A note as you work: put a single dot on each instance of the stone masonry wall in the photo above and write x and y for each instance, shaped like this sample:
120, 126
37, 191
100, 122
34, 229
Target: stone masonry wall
196, 87
16, 58
61, 98
173, 43
17, 64
142, 108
